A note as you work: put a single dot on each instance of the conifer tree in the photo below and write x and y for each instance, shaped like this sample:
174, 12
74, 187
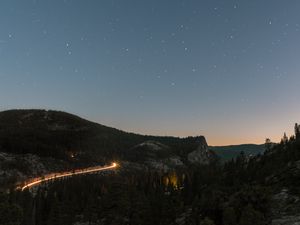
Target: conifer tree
297, 131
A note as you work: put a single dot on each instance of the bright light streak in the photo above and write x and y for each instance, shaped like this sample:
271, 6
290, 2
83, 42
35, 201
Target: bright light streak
55, 176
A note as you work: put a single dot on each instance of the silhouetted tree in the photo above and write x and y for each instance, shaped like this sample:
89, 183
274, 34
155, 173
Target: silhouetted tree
284, 139
251, 216
297, 131
229, 216
268, 144
10, 214
207, 221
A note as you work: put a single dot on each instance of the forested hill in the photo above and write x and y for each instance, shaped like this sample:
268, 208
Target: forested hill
260, 190
59, 135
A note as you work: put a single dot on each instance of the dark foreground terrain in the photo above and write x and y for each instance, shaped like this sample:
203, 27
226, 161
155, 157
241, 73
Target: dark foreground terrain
161, 180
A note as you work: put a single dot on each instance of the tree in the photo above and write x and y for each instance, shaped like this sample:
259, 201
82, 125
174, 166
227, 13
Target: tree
229, 216
207, 221
268, 144
250, 216
55, 214
297, 131
284, 139
10, 214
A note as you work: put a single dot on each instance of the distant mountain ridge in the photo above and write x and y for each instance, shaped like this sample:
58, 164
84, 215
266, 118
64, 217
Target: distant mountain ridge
232, 151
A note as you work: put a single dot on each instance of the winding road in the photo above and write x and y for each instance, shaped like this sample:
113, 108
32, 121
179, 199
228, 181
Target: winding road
54, 176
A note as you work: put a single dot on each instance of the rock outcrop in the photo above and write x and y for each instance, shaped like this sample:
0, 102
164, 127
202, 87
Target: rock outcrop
155, 155
202, 155
285, 208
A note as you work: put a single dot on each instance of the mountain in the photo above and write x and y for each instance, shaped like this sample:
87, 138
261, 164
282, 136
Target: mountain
232, 151
35, 137
60, 135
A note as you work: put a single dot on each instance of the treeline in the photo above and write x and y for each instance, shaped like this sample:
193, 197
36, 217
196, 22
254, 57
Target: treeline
137, 198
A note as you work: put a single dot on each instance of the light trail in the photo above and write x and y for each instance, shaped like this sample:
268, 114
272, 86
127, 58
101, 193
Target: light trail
39, 180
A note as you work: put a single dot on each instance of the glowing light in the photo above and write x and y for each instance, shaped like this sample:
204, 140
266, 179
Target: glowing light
54, 176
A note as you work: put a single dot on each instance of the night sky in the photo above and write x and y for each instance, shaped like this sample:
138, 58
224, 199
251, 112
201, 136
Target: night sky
226, 69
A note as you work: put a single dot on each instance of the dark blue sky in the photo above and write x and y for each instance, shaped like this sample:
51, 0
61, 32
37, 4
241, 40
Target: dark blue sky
229, 70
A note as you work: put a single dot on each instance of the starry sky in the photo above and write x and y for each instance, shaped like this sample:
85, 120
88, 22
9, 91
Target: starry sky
226, 69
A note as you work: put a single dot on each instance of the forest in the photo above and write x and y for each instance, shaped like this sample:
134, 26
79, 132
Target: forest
237, 192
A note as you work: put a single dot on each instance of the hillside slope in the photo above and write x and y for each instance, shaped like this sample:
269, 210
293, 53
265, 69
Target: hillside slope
66, 136
34, 142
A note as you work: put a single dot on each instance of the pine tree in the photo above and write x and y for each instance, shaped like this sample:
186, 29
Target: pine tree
250, 216
229, 216
55, 216
297, 131
268, 144
10, 214
207, 221
284, 139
